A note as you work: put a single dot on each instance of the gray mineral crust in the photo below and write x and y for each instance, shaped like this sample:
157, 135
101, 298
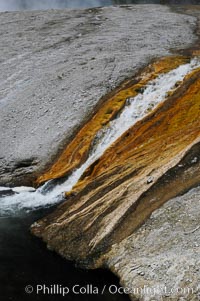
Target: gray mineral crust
161, 260
56, 65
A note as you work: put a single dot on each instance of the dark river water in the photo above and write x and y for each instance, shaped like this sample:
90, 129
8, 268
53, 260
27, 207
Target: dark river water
6, 5
25, 261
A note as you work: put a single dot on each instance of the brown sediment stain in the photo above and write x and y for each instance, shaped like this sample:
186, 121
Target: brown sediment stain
78, 149
155, 160
171, 127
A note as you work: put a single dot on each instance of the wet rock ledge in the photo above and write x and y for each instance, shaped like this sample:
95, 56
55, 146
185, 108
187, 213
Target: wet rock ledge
152, 162
136, 209
157, 159
57, 66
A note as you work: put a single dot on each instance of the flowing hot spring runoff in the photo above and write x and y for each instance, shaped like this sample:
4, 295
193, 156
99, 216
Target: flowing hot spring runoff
21, 206
115, 93
13, 5
50, 193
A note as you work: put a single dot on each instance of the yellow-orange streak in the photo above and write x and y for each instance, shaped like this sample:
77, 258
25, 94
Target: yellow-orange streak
156, 138
77, 151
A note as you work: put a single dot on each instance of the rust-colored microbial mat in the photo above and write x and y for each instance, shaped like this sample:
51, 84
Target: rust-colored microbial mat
77, 150
155, 160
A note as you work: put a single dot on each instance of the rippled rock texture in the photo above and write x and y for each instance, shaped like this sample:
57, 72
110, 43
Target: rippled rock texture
155, 160
56, 65
63, 92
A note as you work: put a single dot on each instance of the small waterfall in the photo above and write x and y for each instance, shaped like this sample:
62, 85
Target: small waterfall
136, 108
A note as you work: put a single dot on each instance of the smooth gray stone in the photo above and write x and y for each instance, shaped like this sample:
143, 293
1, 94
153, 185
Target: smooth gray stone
56, 65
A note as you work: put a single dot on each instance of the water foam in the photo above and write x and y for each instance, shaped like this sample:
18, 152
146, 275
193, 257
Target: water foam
136, 108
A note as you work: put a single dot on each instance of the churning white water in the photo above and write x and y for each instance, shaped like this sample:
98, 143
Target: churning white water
136, 108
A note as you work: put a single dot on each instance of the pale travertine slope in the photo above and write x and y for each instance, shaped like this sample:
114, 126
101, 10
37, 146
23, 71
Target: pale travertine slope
153, 161
162, 258
56, 65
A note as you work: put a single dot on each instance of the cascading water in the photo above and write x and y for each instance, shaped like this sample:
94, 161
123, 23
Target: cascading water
136, 108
